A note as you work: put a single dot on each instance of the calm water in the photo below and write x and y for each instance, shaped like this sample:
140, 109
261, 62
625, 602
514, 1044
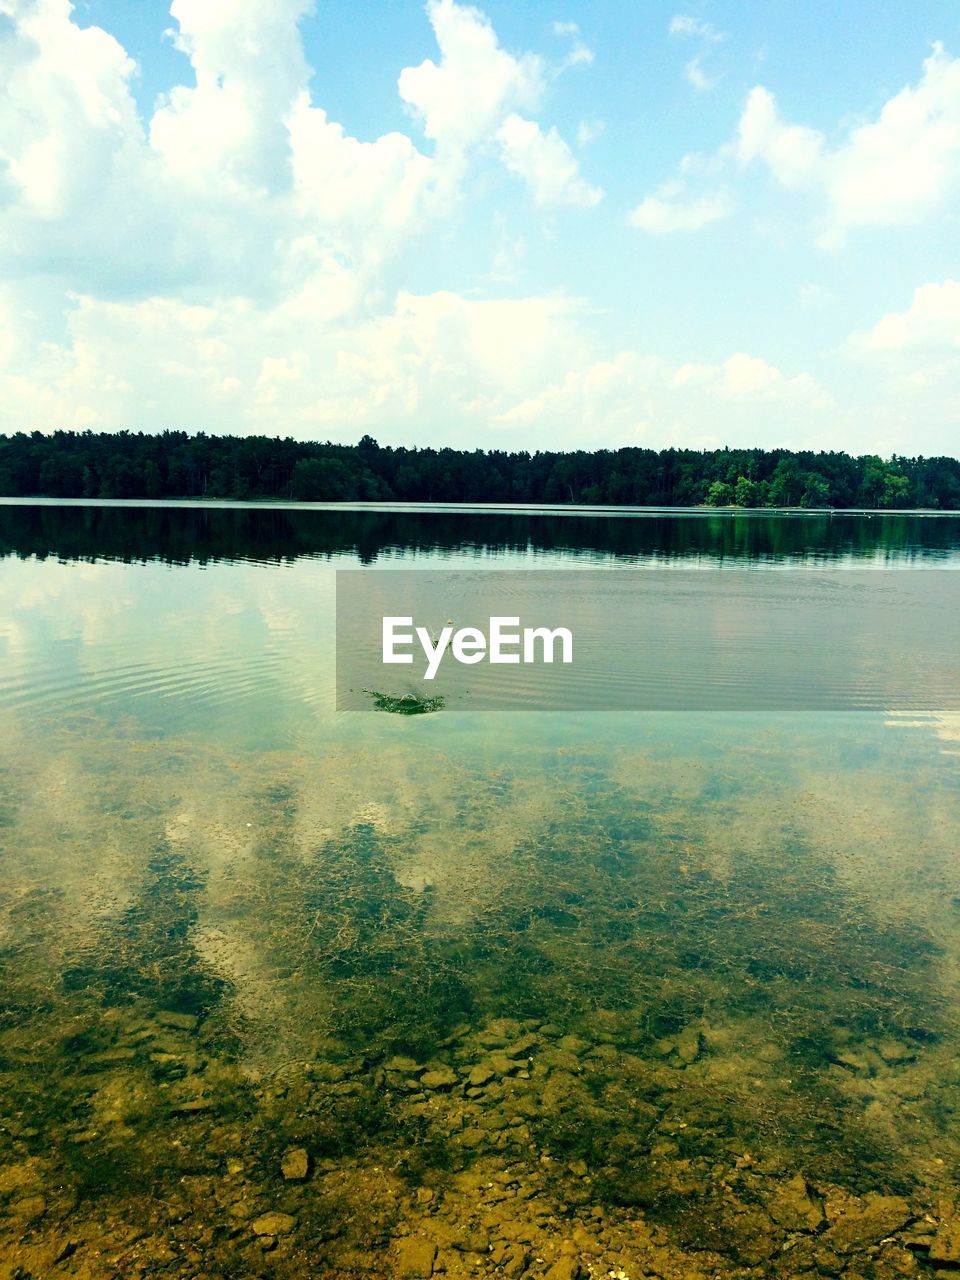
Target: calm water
663, 994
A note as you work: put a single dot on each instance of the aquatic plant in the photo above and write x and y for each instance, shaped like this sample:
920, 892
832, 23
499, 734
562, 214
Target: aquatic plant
405, 704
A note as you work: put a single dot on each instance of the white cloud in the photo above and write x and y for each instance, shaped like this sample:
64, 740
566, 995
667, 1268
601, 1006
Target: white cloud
240, 181
793, 154
745, 378
684, 25
901, 167
580, 53
911, 361
439, 366
435, 362
637, 399
896, 170
250, 69
545, 163
236, 181
589, 131
930, 325
509, 250
444, 368
473, 98
226, 263
463, 99
697, 76
687, 26
670, 210
369, 194
233, 262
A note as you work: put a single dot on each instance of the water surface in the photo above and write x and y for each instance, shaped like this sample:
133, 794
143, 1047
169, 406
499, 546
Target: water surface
665, 994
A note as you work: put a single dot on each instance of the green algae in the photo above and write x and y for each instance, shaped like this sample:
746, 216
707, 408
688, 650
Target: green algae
406, 704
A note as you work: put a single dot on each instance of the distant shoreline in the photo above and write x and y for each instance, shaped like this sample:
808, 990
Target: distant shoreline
471, 508
175, 466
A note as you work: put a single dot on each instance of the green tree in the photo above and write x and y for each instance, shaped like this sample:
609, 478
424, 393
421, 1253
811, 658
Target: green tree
720, 494
896, 490
816, 490
323, 480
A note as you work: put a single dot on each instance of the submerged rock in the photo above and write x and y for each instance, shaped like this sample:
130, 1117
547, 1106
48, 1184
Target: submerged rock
564, 1269
793, 1207
295, 1164
439, 1078
273, 1224
29, 1208
877, 1217
479, 1076
415, 1258
522, 1048
945, 1245
689, 1044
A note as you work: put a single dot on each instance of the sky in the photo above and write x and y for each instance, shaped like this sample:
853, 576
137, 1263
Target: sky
539, 225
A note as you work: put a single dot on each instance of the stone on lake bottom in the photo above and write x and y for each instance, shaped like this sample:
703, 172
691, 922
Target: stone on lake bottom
441, 1078
564, 1269
273, 1224
415, 1258
945, 1246
295, 1164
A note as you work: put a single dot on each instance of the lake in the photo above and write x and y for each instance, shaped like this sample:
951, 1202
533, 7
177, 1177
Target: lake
288, 991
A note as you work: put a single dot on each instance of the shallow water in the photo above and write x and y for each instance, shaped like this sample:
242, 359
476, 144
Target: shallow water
663, 994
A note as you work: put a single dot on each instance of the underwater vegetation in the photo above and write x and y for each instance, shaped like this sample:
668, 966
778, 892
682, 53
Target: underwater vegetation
406, 704
487, 1025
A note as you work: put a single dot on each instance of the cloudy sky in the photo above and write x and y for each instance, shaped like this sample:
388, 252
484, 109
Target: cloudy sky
527, 224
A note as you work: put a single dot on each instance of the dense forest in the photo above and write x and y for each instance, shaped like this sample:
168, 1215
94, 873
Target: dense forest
124, 464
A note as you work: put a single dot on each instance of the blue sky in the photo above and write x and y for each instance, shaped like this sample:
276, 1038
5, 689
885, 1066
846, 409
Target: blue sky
510, 225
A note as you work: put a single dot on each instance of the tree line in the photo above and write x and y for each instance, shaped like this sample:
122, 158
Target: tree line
174, 464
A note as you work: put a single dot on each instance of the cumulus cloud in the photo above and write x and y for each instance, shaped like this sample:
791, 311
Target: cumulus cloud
545, 163
232, 260
895, 170
793, 154
434, 362
913, 362
902, 166
474, 96
463, 99
643, 399
745, 377
241, 180
250, 69
931, 324
232, 184
438, 367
